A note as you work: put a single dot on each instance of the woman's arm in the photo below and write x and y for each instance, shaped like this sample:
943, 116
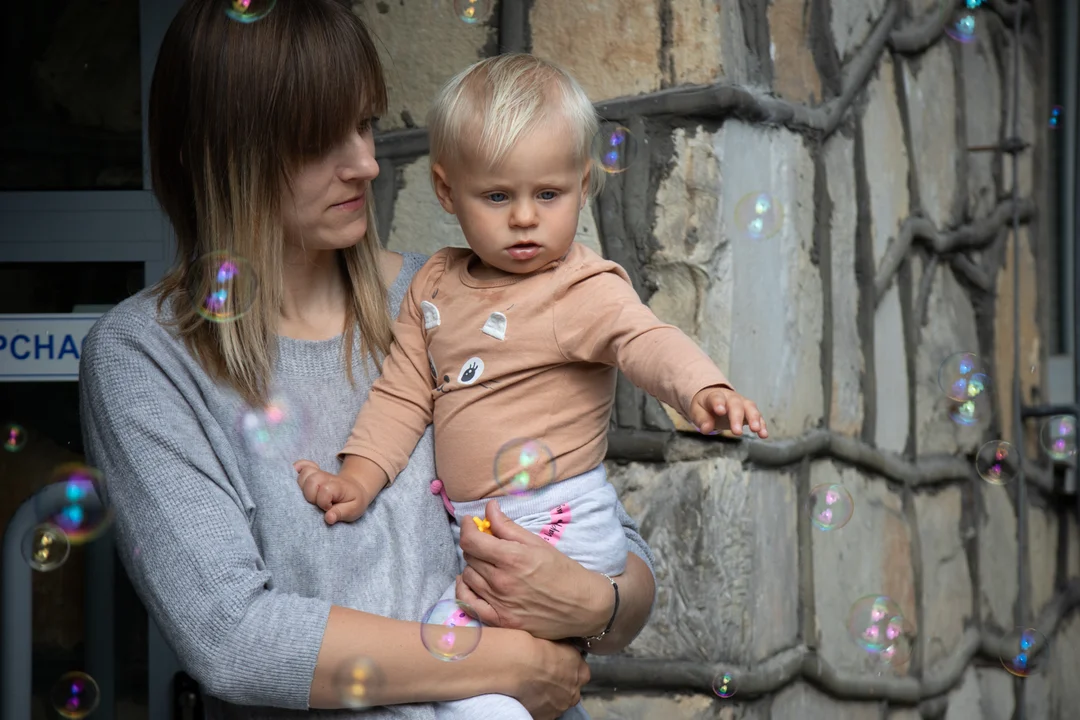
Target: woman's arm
516, 580
545, 676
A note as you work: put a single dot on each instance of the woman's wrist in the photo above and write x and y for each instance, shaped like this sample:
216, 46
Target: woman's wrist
597, 608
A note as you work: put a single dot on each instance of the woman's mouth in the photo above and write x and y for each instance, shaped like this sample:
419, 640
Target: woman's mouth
524, 251
354, 204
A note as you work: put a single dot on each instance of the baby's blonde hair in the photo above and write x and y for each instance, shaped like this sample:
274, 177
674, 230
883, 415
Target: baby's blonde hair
495, 102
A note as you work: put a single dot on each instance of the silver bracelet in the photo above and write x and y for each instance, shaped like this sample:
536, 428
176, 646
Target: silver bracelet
597, 638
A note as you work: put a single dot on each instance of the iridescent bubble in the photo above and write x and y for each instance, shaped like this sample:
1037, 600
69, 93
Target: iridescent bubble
277, 429
898, 651
1058, 437
997, 462
614, 148
358, 683
75, 695
1055, 117
225, 286
974, 409
875, 622
248, 11
45, 547
1024, 652
962, 26
522, 465
724, 684
758, 216
962, 376
74, 501
449, 631
473, 11
830, 506
13, 437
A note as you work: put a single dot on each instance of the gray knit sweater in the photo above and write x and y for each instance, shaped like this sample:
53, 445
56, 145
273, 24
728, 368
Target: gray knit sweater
231, 562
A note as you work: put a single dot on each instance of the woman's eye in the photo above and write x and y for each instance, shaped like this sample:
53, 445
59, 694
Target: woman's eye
365, 126
497, 197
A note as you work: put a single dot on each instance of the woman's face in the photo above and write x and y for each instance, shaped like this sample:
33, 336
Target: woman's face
326, 208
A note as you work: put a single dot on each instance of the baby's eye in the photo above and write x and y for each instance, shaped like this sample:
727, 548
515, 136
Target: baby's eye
549, 195
497, 197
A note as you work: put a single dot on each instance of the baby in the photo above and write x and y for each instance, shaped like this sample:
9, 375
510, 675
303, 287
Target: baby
521, 335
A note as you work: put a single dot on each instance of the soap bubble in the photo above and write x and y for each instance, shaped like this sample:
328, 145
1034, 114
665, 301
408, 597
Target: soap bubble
473, 11
997, 462
45, 547
225, 286
74, 501
724, 684
1055, 117
358, 683
875, 622
522, 465
14, 437
962, 376
831, 506
278, 429
1058, 437
758, 216
614, 148
449, 631
969, 412
962, 26
1023, 652
75, 695
898, 652
248, 11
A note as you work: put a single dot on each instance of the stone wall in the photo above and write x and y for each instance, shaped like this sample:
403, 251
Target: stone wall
895, 252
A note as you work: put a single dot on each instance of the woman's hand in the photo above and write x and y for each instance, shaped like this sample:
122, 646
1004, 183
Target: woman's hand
550, 681
516, 580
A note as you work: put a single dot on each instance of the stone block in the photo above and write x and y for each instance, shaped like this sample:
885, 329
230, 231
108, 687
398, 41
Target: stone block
1030, 339
639, 706
870, 555
1061, 667
799, 701
1032, 112
771, 288
688, 202
946, 576
997, 551
928, 80
421, 49
698, 41
611, 47
795, 76
1037, 698
848, 364
421, 225
982, 120
1042, 556
883, 135
852, 23
949, 329
726, 576
904, 714
996, 690
965, 702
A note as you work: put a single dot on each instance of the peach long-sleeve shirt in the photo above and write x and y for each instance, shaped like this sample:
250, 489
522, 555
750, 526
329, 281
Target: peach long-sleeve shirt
523, 356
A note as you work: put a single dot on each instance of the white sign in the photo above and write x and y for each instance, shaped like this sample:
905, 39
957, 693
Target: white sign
42, 348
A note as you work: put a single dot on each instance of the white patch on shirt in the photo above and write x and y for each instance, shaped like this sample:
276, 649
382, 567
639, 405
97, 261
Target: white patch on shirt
495, 326
471, 371
431, 315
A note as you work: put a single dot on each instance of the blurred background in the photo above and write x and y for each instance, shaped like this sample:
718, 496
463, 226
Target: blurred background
864, 210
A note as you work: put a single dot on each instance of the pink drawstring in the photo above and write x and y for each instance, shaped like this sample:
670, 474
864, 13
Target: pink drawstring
437, 489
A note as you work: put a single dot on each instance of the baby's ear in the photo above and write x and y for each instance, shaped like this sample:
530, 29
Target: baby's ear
440, 181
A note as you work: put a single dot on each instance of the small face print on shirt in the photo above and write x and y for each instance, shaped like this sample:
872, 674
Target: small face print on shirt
470, 373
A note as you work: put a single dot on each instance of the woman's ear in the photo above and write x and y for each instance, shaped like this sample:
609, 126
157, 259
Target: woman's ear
440, 181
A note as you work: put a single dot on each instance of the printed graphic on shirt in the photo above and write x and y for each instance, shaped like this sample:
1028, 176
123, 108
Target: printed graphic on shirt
495, 326
431, 366
471, 371
431, 315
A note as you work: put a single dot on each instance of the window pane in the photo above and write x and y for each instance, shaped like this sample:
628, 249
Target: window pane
71, 115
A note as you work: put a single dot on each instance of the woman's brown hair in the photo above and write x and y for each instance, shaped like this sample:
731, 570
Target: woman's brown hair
235, 110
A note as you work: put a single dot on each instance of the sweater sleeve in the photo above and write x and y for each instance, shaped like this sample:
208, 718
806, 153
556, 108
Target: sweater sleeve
182, 532
600, 319
400, 405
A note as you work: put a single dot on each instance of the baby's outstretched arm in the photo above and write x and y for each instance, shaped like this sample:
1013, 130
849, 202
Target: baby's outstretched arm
343, 497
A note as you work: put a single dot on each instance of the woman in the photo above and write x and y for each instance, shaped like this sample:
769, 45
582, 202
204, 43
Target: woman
199, 394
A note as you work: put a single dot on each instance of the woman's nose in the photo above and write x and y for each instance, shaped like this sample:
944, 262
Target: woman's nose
358, 160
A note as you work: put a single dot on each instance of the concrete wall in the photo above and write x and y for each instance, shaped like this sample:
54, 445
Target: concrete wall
895, 252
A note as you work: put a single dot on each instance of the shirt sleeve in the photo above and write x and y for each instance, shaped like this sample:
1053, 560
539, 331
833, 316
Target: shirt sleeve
400, 405
600, 319
181, 530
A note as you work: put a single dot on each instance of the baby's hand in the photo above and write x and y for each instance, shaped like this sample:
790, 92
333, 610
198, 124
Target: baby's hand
718, 408
343, 499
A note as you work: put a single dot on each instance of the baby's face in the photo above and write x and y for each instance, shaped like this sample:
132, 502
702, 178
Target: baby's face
523, 214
